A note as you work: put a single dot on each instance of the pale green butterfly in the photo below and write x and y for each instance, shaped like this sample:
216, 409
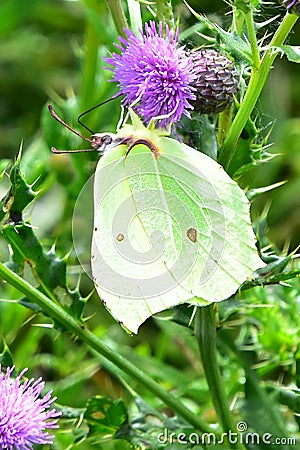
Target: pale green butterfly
170, 225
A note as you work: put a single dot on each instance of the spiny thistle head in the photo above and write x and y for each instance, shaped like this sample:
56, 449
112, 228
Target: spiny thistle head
154, 75
24, 415
216, 81
293, 6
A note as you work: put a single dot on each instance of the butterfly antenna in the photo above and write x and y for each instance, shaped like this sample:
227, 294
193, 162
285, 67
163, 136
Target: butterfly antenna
56, 117
82, 150
92, 109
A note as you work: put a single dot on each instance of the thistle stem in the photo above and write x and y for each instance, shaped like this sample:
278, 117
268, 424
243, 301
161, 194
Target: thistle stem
117, 12
205, 332
165, 13
135, 15
58, 313
90, 66
256, 84
238, 21
224, 124
252, 39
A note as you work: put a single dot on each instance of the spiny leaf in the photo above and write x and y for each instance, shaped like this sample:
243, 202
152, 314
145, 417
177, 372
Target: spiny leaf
231, 42
6, 357
4, 163
292, 52
251, 149
105, 416
48, 269
262, 416
21, 192
252, 193
18, 197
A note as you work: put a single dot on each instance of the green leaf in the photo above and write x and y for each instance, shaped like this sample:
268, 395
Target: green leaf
262, 415
153, 429
251, 150
18, 197
246, 5
252, 193
292, 52
274, 272
289, 397
105, 416
69, 412
34, 165
200, 133
4, 163
170, 227
232, 43
21, 192
29, 259
48, 269
6, 358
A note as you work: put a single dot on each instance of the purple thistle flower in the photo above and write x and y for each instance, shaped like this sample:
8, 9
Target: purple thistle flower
154, 74
23, 415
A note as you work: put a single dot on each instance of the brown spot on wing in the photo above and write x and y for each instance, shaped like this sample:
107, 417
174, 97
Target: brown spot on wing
120, 237
192, 234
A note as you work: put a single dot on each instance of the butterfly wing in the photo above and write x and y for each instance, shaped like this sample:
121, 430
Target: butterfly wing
167, 230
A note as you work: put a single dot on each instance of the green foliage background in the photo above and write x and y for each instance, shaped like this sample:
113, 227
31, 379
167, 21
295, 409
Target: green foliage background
52, 51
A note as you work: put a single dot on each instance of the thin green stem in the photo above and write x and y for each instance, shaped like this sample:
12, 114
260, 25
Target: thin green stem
165, 13
117, 12
205, 332
224, 124
252, 39
256, 84
58, 313
135, 15
238, 21
90, 67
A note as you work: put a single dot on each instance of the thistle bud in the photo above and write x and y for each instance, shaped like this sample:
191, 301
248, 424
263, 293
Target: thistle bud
216, 81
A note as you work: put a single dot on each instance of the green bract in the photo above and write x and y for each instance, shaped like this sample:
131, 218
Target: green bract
170, 227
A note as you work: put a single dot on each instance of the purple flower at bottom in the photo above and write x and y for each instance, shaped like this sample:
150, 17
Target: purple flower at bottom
154, 75
23, 414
